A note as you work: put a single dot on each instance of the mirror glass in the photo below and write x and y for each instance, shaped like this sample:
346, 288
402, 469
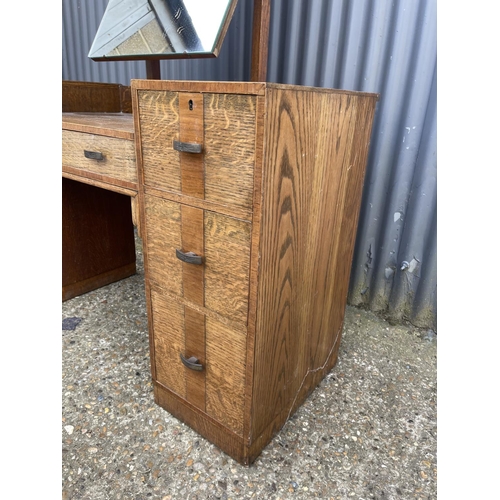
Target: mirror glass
161, 29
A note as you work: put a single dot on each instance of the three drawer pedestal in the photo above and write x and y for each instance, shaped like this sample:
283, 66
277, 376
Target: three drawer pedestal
249, 196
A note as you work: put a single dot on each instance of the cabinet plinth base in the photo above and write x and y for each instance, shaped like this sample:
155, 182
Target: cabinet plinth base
223, 438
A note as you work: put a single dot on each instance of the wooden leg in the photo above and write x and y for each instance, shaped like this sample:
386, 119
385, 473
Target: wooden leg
98, 246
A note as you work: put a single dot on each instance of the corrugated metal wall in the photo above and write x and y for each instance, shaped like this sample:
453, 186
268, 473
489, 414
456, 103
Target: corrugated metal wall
384, 46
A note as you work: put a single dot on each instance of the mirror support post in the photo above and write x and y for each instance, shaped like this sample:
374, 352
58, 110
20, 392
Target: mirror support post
260, 39
153, 69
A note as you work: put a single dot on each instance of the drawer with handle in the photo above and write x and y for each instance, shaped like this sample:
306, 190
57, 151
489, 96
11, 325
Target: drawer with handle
200, 256
200, 359
99, 156
199, 144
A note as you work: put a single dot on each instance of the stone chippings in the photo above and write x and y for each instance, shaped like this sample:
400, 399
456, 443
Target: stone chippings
367, 432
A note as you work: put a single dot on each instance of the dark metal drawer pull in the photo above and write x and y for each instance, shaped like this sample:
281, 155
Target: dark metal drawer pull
93, 155
192, 363
187, 147
189, 257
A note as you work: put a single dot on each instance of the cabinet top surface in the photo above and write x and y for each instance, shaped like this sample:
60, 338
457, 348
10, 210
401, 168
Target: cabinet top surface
119, 125
257, 88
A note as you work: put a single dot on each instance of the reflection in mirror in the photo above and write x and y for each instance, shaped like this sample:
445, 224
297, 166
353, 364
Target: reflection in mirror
161, 29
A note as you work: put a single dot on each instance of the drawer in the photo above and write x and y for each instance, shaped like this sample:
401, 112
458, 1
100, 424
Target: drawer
218, 389
118, 156
221, 283
224, 127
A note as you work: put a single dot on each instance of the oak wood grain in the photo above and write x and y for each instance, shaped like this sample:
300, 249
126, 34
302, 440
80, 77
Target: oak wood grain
168, 327
119, 155
195, 345
207, 426
192, 224
225, 209
95, 97
229, 148
191, 131
213, 87
227, 258
283, 175
234, 325
119, 125
158, 117
225, 382
254, 260
163, 235
309, 147
101, 181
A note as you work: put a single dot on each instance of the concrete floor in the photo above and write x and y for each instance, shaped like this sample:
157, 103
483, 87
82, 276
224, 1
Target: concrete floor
367, 432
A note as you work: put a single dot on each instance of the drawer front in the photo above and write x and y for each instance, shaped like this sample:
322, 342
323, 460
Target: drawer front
223, 125
118, 155
221, 282
218, 389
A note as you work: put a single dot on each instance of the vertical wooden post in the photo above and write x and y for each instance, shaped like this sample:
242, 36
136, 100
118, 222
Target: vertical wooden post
153, 69
260, 38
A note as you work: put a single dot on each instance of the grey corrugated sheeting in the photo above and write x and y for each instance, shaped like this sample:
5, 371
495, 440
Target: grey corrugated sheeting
383, 46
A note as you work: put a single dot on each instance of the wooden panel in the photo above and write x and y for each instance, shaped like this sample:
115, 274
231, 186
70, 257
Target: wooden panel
200, 86
193, 287
168, 328
232, 211
159, 127
95, 97
117, 125
227, 260
309, 144
163, 236
254, 260
101, 181
98, 245
260, 40
223, 241
225, 382
191, 131
194, 345
192, 241
347, 213
228, 441
119, 155
229, 148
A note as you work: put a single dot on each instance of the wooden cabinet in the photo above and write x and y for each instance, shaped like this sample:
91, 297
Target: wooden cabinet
249, 196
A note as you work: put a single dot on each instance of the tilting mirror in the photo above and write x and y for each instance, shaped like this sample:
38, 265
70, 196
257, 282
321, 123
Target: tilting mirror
161, 29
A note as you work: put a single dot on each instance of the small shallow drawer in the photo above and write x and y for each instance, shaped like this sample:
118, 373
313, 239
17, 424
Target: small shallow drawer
106, 157
214, 154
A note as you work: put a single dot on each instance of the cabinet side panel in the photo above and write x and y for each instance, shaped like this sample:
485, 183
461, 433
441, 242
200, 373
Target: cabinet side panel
308, 173
346, 211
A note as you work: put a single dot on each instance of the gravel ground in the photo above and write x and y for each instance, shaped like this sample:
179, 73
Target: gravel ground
367, 432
